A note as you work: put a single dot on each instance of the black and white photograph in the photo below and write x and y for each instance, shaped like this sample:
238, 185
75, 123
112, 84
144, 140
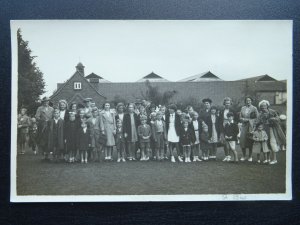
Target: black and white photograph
151, 110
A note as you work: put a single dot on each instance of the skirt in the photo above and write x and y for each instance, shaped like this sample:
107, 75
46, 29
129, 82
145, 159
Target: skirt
172, 136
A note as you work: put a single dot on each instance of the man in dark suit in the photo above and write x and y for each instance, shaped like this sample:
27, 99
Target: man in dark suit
130, 129
173, 126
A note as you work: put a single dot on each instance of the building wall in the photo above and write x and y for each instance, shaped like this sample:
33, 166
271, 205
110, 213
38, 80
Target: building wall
68, 93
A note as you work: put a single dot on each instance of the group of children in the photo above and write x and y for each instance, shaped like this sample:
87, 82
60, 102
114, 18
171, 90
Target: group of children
79, 137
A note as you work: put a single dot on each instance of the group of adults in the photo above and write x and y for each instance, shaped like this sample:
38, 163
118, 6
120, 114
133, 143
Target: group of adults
247, 118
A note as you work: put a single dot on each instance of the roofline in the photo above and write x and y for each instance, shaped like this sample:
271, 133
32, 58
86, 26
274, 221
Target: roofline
65, 83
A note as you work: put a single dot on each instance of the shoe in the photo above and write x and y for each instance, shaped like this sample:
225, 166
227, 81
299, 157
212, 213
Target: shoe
250, 159
197, 159
85, 161
210, 157
82, 161
180, 159
273, 162
119, 160
189, 160
225, 159
34, 152
123, 160
242, 159
194, 159
173, 159
265, 161
258, 161
185, 160
228, 158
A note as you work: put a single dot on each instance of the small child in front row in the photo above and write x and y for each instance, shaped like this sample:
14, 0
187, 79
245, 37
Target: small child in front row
159, 134
205, 142
84, 142
231, 131
260, 139
144, 132
186, 138
120, 142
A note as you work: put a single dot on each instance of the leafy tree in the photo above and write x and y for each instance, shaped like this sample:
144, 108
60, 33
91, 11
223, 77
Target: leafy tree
31, 83
153, 94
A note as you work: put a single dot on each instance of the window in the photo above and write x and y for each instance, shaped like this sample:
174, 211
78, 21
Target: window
280, 98
77, 85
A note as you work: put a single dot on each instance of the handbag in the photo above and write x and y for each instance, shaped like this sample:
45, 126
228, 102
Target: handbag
102, 139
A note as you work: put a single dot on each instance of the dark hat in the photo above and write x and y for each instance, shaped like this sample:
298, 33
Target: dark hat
87, 100
95, 109
207, 100
173, 106
45, 99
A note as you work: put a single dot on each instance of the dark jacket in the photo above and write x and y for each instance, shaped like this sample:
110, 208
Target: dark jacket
231, 130
70, 134
119, 137
84, 140
60, 135
204, 144
186, 137
177, 123
218, 125
203, 114
235, 115
127, 124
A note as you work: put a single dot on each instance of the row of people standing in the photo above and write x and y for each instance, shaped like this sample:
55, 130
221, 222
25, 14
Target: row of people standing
248, 117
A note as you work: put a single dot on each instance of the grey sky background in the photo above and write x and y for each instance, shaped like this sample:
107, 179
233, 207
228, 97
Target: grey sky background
125, 51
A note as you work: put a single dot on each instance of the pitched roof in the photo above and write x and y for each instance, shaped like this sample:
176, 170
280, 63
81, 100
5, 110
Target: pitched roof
205, 76
153, 77
93, 75
80, 75
265, 77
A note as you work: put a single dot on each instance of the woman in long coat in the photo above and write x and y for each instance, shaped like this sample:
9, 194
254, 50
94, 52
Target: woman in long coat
248, 116
271, 122
43, 114
108, 126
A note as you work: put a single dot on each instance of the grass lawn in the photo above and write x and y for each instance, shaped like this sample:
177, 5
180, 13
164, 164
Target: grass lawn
35, 177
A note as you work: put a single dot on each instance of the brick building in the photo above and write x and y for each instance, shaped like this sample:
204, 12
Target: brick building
199, 86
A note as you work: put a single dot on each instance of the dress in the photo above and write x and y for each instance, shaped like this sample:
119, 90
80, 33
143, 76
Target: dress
172, 135
249, 113
260, 142
214, 134
196, 130
108, 124
270, 121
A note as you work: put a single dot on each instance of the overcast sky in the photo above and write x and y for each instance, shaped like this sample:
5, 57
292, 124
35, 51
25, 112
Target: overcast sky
125, 51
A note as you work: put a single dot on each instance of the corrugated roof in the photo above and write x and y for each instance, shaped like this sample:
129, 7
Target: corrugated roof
205, 76
152, 77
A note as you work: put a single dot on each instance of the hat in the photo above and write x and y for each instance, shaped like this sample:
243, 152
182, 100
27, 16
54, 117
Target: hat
173, 106
119, 105
207, 100
94, 109
87, 100
45, 99
262, 102
282, 117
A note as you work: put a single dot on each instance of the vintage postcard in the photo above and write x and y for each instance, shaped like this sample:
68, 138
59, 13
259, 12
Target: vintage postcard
151, 110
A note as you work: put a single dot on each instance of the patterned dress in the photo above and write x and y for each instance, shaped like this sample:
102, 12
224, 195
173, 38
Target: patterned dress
108, 124
249, 113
